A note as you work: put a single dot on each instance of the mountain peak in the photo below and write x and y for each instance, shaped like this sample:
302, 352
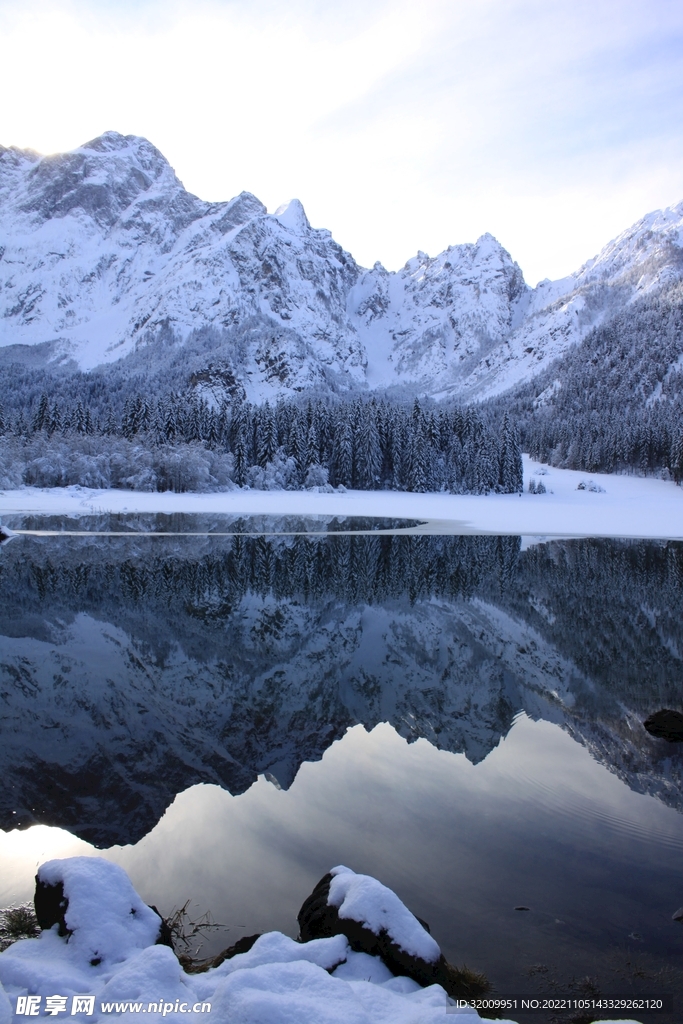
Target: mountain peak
293, 216
239, 211
110, 142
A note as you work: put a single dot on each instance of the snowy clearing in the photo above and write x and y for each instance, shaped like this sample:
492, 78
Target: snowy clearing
621, 506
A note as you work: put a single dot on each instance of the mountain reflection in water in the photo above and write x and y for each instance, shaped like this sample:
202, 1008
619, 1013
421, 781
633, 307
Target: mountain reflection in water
135, 667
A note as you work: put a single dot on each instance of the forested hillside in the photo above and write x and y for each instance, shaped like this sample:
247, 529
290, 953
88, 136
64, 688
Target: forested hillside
615, 400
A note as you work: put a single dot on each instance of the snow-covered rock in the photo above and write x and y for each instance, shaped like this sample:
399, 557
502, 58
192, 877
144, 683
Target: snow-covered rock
66, 891
277, 982
378, 926
363, 899
106, 924
102, 250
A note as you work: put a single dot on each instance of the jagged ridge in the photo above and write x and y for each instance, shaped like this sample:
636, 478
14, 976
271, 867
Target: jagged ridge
103, 249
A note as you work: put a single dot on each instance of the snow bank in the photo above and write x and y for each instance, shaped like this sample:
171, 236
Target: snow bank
625, 506
109, 951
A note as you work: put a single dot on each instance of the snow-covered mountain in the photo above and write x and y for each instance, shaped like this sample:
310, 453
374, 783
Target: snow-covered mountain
102, 250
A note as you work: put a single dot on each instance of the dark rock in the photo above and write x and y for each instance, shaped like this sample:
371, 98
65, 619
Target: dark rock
666, 725
522, 908
678, 916
318, 920
242, 945
51, 905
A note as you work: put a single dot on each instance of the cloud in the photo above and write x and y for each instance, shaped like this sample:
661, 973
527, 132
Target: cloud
400, 126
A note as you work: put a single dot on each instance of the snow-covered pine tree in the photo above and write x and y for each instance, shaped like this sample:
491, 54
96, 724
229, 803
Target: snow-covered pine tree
368, 453
396, 440
55, 423
341, 470
266, 439
239, 442
296, 448
78, 418
676, 458
312, 457
417, 469
41, 420
511, 477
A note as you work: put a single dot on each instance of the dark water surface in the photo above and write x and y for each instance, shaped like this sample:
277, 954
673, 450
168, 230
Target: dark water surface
230, 716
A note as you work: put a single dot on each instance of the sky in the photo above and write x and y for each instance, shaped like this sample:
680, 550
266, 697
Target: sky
401, 126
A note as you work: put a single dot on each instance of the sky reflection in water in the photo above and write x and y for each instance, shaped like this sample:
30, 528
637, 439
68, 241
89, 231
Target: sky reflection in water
538, 823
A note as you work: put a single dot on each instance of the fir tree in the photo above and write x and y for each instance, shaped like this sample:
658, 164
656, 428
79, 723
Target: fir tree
368, 453
41, 420
417, 469
676, 459
342, 452
511, 476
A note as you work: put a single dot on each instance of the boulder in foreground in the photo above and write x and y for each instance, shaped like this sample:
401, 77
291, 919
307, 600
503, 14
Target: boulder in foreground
377, 923
666, 725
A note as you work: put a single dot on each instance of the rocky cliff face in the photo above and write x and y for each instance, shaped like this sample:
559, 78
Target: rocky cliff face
102, 250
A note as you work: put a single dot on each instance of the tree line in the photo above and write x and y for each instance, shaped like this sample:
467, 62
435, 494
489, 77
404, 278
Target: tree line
362, 444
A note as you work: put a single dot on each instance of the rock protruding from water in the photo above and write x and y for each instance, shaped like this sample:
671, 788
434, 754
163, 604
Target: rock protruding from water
666, 725
376, 922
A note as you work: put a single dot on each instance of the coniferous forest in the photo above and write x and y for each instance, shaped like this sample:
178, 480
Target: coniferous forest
182, 443
612, 403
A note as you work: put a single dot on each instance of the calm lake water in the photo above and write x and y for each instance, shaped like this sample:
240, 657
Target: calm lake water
229, 715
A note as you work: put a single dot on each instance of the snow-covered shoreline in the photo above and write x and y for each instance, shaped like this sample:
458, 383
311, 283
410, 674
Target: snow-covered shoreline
626, 506
102, 952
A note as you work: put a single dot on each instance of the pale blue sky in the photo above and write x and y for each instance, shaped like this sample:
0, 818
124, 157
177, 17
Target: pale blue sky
552, 124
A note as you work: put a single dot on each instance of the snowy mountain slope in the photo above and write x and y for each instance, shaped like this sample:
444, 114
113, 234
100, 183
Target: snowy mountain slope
644, 259
102, 250
466, 323
439, 316
103, 247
